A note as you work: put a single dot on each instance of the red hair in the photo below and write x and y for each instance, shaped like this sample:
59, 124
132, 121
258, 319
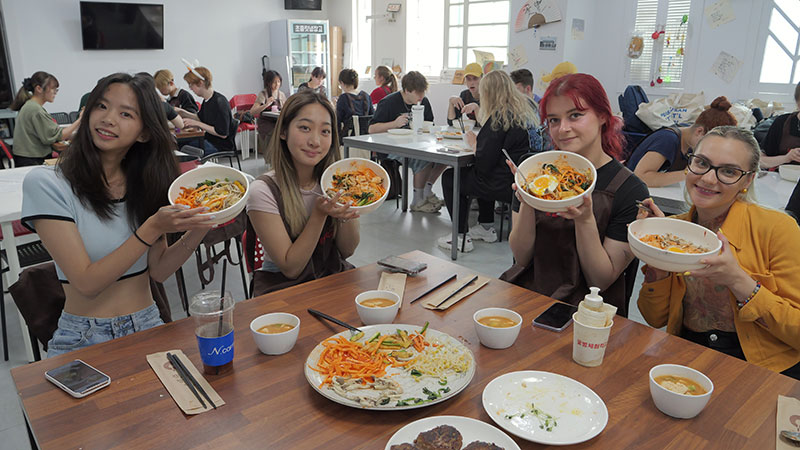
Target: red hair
587, 93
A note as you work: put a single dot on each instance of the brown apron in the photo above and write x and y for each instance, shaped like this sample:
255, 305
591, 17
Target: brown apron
326, 259
265, 125
555, 269
788, 141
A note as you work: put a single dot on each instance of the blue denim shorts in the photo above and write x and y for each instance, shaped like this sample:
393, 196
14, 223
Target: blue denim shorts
75, 332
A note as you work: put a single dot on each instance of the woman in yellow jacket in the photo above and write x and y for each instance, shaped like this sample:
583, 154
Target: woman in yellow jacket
746, 301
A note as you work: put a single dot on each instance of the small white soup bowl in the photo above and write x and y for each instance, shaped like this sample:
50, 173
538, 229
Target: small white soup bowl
680, 406
493, 337
375, 316
276, 343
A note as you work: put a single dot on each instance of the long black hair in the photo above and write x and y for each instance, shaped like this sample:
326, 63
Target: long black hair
269, 78
149, 167
41, 79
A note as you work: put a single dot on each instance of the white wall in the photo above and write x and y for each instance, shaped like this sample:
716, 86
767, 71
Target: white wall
229, 37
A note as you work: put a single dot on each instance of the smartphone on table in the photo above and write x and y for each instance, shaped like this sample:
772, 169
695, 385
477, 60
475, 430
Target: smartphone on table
557, 317
398, 264
77, 378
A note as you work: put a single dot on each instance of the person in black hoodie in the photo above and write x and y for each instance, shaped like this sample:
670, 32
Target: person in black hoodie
505, 117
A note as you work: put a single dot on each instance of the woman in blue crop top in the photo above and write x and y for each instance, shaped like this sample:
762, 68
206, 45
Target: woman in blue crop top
101, 214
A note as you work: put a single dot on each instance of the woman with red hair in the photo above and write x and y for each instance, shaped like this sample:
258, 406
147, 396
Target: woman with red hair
586, 245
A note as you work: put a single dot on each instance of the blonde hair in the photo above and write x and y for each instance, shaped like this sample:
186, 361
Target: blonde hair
746, 137
389, 78
294, 209
192, 78
163, 78
504, 104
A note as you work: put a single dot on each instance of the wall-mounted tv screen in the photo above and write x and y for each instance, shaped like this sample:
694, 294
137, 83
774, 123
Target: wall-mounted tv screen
315, 5
122, 26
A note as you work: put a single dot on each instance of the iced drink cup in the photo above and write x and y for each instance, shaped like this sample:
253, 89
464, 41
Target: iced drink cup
213, 320
589, 343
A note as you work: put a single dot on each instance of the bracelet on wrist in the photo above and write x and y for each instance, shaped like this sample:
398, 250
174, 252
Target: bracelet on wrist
750, 297
135, 233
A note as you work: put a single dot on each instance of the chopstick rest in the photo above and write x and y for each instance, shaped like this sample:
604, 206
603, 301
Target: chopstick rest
435, 298
179, 391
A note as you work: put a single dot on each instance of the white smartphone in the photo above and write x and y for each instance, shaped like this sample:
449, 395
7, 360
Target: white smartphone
77, 378
557, 317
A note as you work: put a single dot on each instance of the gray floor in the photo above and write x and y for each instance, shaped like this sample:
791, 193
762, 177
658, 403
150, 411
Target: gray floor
387, 231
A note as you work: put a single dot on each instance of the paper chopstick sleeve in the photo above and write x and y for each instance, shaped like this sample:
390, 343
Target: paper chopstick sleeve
179, 391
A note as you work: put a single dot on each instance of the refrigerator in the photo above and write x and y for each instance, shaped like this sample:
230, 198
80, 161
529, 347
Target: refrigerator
297, 46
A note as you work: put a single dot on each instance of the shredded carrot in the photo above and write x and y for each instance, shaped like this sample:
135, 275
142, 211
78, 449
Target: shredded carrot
215, 195
344, 358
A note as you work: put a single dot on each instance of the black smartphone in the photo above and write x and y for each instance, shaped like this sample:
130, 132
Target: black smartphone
557, 317
77, 378
398, 264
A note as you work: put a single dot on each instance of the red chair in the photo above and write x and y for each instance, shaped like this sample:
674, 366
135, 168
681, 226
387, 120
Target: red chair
240, 104
7, 153
253, 262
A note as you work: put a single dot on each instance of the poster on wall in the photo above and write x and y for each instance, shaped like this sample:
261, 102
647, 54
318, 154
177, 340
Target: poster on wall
547, 43
517, 57
720, 13
578, 25
535, 13
726, 66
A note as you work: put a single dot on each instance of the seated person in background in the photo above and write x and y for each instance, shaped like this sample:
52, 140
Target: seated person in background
660, 158
746, 301
539, 138
102, 224
561, 255
173, 119
316, 83
471, 95
351, 102
270, 98
386, 81
394, 112
179, 99
305, 236
34, 129
214, 117
506, 117
782, 144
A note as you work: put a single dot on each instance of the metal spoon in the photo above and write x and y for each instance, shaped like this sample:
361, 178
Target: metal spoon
791, 435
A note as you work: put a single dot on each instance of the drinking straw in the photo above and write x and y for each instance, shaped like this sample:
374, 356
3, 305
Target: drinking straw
222, 299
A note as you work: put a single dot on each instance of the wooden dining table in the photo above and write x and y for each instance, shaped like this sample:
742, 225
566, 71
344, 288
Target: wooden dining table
269, 403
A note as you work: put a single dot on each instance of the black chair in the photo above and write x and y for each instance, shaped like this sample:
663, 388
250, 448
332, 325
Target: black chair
29, 254
73, 116
62, 118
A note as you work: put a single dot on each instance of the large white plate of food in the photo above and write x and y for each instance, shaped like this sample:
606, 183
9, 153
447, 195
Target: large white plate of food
545, 407
390, 367
555, 180
450, 432
671, 244
362, 182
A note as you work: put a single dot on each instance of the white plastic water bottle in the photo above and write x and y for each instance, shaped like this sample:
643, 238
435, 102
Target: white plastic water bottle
417, 117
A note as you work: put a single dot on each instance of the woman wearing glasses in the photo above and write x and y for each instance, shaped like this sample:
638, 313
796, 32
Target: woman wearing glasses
746, 301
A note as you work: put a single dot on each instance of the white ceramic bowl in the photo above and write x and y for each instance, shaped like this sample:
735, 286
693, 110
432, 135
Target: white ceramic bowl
534, 163
278, 343
677, 405
351, 164
375, 316
665, 259
493, 337
212, 172
789, 172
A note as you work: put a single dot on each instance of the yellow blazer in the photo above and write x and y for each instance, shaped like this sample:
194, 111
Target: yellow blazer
767, 245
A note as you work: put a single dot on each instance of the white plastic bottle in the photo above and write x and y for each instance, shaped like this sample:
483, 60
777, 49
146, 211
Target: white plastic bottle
593, 312
417, 117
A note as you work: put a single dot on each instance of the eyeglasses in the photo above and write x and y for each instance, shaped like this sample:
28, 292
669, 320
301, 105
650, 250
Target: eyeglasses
726, 175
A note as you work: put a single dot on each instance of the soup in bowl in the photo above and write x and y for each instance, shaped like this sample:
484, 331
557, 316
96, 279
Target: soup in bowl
497, 327
377, 307
275, 333
679, 391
